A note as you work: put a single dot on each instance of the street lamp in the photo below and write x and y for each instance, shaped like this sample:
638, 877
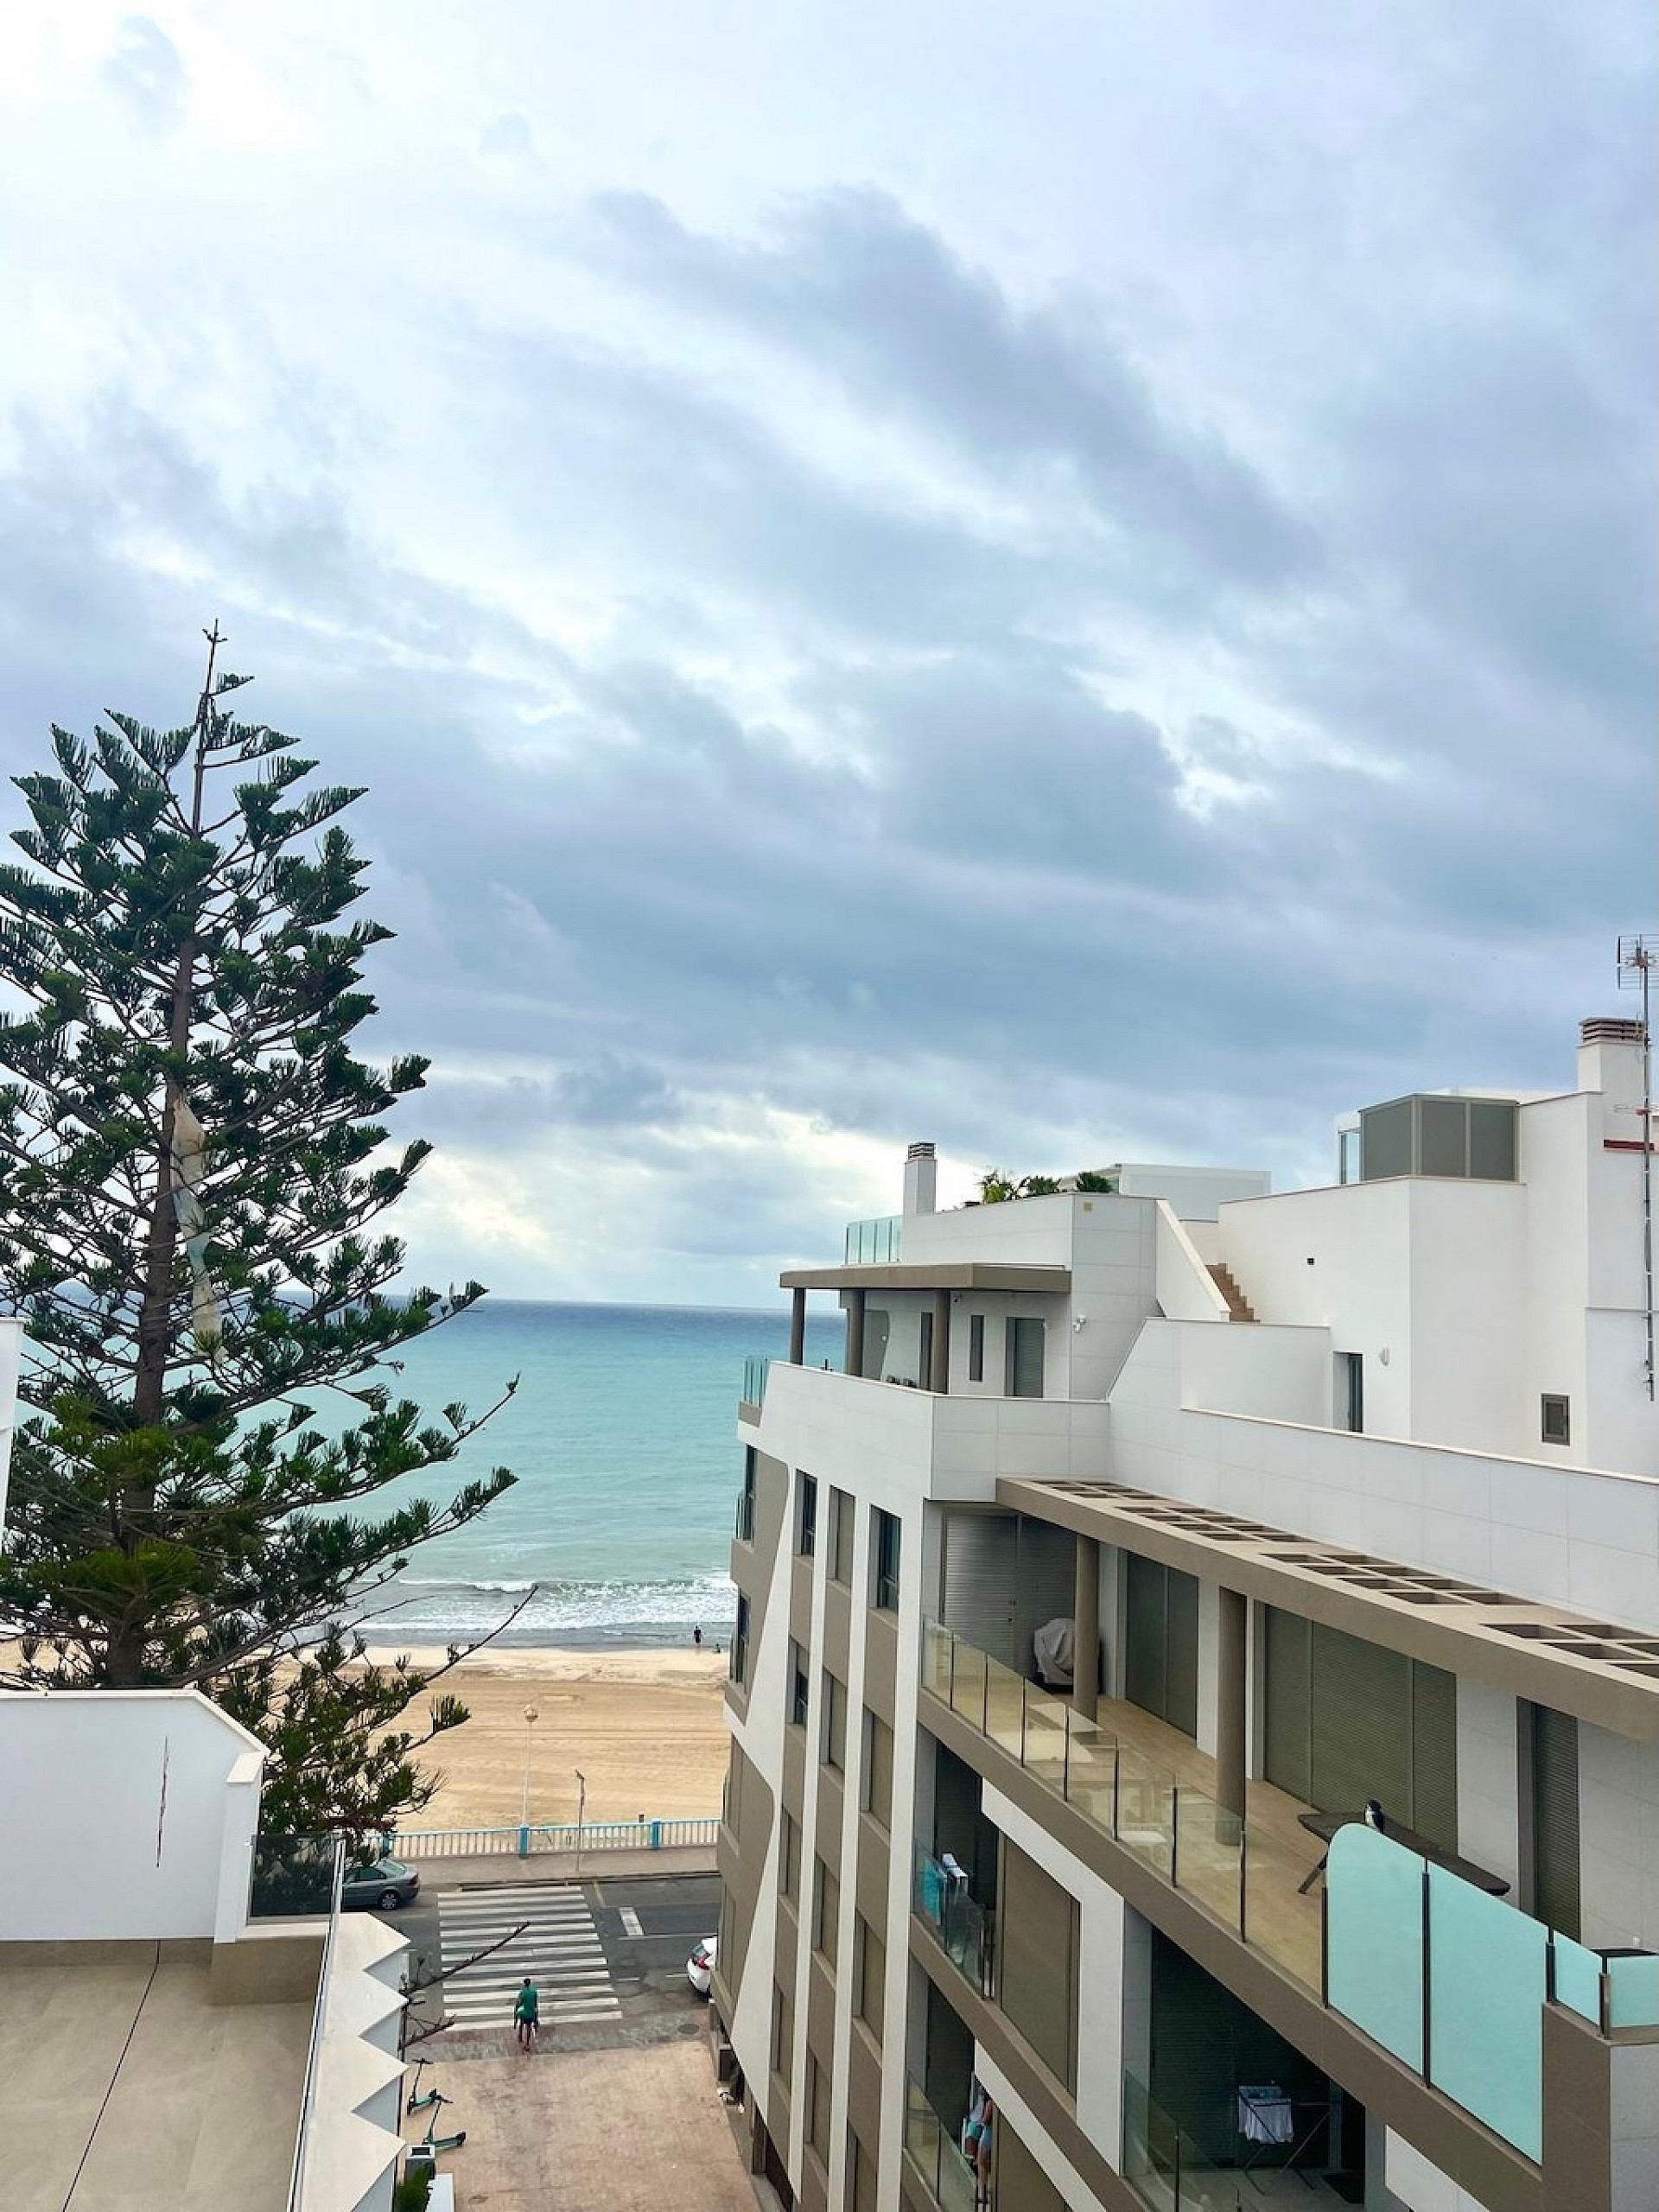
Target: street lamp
530, 1718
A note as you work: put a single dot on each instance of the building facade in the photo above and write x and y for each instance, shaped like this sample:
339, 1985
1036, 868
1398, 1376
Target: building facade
1195, 1701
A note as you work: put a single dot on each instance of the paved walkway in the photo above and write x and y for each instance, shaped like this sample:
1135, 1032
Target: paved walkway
617, 2130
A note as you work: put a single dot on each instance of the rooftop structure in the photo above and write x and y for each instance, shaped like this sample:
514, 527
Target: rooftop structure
1151, 1532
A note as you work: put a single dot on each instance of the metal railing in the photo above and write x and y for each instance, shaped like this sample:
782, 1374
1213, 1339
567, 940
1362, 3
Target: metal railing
932, 2148
874, 1243
938, 1897
294, 1877
674, 1834
757, 1366
1247, 1879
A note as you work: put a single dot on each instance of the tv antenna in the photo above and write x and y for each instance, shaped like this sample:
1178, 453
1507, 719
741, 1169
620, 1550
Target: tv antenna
1637, 956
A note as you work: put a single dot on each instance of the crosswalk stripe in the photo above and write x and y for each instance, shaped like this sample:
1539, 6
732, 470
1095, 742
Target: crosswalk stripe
546, 1933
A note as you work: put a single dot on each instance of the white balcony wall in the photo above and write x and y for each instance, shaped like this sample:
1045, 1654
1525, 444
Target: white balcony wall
11, 1343
1185, 1289
116, 1806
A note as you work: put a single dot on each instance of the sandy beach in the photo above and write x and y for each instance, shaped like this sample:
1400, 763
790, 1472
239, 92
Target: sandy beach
645, 1727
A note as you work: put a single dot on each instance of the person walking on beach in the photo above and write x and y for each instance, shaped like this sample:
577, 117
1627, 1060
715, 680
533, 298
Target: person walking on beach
696, 1635
526, 2014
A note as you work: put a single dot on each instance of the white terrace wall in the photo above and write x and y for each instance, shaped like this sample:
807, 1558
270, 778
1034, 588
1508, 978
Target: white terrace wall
113, 1813
11, 1342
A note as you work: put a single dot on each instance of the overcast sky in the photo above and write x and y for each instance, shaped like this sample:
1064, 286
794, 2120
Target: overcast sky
1077, 580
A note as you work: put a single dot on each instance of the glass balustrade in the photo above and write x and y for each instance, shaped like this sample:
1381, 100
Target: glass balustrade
755, 1369
928, 2142
963, 1926
876, 1243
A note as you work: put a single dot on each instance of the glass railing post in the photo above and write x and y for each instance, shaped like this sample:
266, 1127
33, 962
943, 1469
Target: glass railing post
1174, 1835
1243, 1881
1065, 1754
1117, 1769
1025, 1721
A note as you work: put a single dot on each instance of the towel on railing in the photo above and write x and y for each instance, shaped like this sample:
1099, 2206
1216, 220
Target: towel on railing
1264, 2114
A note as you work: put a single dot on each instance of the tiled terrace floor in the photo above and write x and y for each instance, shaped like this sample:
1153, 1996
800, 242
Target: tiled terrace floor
127, 2091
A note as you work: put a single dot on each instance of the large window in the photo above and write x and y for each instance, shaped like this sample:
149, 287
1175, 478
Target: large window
876, 1785
843, 1527
800, 1685
740, 1641
886, 1579
975, 1347
834, 1721
826, 1911
783, 2033
745, 1501
1024, 1361
789, 1858
806, 1525
869, 1976
817, 2106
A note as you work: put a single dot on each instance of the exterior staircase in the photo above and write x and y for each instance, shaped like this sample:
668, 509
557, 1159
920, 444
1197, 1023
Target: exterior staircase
1238, 1305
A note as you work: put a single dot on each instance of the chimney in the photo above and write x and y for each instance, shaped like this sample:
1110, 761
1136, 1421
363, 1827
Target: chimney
921, 1179
1611, 1060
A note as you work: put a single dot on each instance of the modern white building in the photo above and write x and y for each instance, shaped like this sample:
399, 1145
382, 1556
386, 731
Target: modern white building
186, 2022
1153, 1532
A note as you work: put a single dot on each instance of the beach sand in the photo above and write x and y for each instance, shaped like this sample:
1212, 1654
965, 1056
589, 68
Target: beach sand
645, 1727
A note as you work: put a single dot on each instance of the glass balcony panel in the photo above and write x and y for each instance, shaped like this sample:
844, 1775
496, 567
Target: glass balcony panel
1005, 1706
1045, 1718
1279, 1918
1090, 1769
935, 1660
1145, 1809
968, 1683
1208, 1851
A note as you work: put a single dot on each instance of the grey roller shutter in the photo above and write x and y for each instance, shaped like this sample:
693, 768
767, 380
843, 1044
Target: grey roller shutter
1181, 1653
1290, 1716
1435, 1754
980, 1584
1362, 1725
1143, 1639
1555, 1819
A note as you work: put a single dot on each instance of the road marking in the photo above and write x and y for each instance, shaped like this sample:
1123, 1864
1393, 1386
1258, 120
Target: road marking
558, 1949
631, 1922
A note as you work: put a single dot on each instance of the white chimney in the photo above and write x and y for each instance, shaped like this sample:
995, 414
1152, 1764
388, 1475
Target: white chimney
1611, 1061
921, 1179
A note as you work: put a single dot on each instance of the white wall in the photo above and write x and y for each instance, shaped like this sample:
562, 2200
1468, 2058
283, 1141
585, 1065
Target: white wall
1187, 1291
1488, 1790
1193, 1194
11, 1339
1618, 1839
116, 1806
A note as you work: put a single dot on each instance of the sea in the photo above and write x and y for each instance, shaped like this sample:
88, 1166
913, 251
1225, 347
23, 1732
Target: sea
623, 1435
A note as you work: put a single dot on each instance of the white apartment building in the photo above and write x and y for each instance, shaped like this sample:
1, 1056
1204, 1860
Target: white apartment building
186, 2022
1196, 1695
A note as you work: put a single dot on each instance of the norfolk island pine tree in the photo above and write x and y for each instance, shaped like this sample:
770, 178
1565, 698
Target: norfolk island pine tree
192, 1167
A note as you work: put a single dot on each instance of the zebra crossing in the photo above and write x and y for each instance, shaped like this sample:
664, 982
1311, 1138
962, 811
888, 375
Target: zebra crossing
559, 1950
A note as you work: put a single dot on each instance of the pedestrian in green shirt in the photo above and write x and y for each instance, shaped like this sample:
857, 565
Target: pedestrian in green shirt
526, 2014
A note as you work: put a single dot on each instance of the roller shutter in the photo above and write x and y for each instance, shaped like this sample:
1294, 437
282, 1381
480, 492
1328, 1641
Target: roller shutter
980, 1587
1287, 1701
1347, 1720
1160, 1654
1362, 1724
1555, 1819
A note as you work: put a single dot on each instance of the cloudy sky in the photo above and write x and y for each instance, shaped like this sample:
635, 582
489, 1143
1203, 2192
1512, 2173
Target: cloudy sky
1077, 580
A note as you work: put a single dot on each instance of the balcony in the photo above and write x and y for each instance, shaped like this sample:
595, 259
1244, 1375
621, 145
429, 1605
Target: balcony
930, 2146
961, 1926
752, 1394
1169, 2171
1150, 1790
876, 1243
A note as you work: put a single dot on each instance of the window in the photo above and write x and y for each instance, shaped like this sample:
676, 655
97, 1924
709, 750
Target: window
789, 1859
782, 2033
869, 1976
745, 1501
842, 1526
975, 1347
1348, 1156
877, 1781
826, 1911
924, 1356
731, 1796
834, 1721
807, 1531
817, 2106
1024, 1359
1350, 1384
861, 2169
888, 1528
800, 1685
1557, 1420
1037, 1962
741, 1640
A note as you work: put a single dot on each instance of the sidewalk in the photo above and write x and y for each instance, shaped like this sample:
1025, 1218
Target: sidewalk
506, 1870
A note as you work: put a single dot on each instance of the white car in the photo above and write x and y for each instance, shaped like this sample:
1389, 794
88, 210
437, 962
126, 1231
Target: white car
699, 1967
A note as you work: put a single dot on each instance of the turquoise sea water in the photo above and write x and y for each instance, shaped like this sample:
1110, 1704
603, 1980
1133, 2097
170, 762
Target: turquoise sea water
622, 1434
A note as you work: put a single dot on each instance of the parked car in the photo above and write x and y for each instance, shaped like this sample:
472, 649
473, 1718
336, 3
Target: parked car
381, 1887
699, 1967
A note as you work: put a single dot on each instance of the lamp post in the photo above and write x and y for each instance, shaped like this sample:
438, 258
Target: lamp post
531, 1718
581, 1814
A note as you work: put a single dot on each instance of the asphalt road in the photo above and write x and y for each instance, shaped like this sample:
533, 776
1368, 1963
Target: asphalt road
647, 1926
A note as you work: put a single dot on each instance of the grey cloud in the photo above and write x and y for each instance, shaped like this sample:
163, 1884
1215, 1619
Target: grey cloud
145, 70
856, 284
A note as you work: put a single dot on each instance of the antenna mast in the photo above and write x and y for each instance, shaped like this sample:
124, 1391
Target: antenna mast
1637, 956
